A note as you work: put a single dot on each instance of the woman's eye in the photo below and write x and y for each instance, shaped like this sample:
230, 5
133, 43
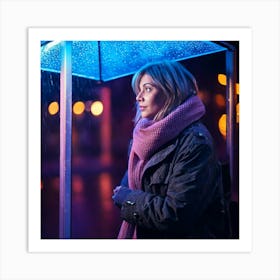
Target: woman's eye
148, 89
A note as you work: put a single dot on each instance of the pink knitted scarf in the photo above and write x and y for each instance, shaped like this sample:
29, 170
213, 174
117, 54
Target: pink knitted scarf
149, 136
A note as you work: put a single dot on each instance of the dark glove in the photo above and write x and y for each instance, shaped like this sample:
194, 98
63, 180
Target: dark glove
120, 195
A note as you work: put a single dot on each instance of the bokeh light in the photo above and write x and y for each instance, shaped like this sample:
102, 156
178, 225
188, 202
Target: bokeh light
223, 125
53, 108
220, 100
237, 88
237, 112
77, 184
78, 108
97, 108
222, 79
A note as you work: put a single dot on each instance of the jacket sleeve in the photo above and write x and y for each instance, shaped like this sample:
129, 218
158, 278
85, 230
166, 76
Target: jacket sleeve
189, 190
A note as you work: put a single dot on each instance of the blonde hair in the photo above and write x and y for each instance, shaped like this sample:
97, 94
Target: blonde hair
173, 80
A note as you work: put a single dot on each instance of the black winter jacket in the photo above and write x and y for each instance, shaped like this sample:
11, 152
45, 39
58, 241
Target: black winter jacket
181, 195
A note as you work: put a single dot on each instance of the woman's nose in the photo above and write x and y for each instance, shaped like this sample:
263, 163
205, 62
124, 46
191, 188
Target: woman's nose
139, 96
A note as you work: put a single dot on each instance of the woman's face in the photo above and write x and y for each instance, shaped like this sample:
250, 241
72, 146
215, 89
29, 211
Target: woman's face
149, 98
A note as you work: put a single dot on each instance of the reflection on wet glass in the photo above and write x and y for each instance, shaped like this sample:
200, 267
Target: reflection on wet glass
105, 183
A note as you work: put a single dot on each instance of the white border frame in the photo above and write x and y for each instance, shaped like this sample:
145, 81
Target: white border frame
244, 243
262, 16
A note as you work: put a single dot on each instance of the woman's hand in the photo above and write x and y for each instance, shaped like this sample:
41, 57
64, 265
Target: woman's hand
116, 189
120, 194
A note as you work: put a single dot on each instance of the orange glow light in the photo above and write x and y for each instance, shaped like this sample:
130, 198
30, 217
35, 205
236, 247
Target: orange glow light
223, 124
220, 100
78, 108
53, 108
97, 108
237, 112
237, 88
77, 184
105, 181
222, 79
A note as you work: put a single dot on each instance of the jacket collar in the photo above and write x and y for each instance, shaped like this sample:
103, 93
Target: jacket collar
161, 155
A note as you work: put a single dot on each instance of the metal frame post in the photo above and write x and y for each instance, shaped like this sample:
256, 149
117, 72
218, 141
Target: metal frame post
65, 141
231, 117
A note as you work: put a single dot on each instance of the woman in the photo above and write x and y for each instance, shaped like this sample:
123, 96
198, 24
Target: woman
173, 185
